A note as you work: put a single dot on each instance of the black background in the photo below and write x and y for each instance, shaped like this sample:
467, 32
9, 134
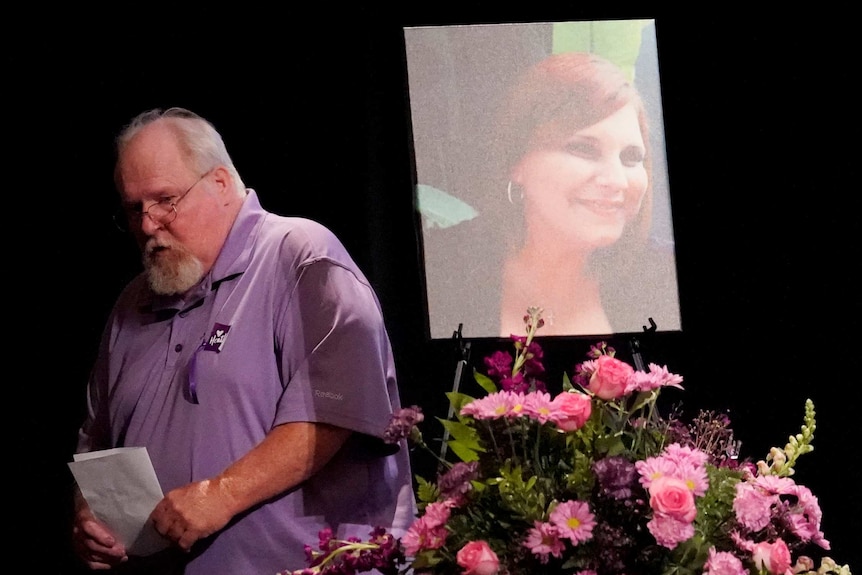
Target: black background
761, 121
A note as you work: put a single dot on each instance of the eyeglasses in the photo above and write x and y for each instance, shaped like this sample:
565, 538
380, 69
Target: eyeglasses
162, 213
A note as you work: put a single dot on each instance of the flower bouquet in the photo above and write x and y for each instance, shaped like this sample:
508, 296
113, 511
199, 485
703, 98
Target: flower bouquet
593, 481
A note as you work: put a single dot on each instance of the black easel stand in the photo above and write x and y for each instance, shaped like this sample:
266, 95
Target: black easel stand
464, 358
635, 346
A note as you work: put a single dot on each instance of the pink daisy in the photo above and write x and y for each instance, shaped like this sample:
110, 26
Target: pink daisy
543, 540
652, 468
574, 520
492, 406
538, 406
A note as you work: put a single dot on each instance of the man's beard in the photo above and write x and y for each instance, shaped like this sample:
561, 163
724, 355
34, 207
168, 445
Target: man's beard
170, 267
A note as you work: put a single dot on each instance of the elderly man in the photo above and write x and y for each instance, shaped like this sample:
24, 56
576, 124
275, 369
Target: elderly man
250, 358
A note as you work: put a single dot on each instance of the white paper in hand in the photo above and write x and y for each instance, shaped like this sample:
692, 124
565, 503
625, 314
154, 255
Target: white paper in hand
121, 488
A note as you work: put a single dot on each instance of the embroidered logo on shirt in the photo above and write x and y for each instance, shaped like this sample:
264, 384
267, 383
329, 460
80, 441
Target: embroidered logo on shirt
215, 342
329, 395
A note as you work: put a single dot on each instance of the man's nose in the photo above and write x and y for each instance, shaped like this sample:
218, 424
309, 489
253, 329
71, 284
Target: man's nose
148, 224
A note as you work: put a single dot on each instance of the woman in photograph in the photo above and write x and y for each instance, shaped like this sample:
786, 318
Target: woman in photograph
573, 143
563, 195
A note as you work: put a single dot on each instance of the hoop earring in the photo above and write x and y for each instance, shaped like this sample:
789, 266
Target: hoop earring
509, 192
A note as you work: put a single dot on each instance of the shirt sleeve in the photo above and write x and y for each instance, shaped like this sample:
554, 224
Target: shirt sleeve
337, 365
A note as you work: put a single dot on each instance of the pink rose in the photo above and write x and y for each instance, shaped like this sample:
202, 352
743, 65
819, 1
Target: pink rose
774, 557
571, 410
611, 377
477, 558
672, 496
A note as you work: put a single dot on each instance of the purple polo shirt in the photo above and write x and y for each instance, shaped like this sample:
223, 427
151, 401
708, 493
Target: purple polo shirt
284, 328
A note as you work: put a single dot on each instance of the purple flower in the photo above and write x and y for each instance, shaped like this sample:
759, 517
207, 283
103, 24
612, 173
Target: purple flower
616, 476
455, 483
401, 423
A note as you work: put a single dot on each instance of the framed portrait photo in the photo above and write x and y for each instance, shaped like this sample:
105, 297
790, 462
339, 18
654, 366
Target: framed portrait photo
541, 178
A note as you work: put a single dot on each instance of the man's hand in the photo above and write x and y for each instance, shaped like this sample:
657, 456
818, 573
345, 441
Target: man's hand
93, 542
192, 512
288, 455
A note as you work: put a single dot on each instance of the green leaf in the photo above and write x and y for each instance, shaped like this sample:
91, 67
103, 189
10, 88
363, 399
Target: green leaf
643, 398
485, 382
464, 453
427, 492
567, 383
462, 433
610, 445
426, 559
458, 400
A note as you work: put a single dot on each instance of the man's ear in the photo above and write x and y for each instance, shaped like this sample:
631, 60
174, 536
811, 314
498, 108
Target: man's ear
222, 177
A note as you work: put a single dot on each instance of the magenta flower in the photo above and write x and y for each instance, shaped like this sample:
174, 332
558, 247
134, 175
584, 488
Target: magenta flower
515, 383
499, 364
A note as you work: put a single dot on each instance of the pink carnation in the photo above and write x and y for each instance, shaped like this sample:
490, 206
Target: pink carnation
429, 531
420, 536
753, 506
723, 563
437, 513
670, 532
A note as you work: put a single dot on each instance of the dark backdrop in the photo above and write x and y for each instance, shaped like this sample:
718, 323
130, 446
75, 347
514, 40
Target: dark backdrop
762, 145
